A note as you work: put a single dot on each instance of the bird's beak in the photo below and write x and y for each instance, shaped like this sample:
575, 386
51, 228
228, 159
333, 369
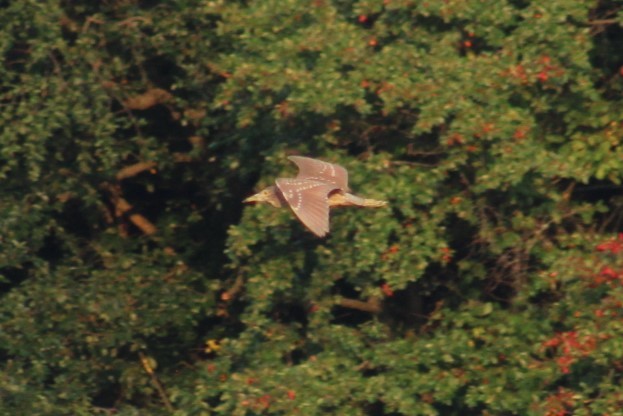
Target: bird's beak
252, 198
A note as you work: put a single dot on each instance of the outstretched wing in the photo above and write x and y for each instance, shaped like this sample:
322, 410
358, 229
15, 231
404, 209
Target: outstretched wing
310, 202
317, 170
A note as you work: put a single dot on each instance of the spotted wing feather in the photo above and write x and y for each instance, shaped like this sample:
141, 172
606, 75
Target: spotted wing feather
317, 170
310, 202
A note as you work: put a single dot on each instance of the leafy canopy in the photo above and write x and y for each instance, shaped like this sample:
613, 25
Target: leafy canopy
133, 281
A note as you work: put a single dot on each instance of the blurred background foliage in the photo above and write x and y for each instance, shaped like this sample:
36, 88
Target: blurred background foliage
134, 282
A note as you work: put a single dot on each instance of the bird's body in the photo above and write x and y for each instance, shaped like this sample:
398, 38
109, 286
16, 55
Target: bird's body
318, 187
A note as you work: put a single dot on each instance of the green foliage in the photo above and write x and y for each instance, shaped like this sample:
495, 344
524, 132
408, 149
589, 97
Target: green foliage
133, 281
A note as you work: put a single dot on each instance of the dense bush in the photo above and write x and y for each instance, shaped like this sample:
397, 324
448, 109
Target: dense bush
134, 282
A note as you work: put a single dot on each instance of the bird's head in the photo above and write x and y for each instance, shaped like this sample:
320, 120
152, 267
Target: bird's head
266, 196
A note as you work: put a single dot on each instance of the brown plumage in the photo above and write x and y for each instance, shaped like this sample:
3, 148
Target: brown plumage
318, 186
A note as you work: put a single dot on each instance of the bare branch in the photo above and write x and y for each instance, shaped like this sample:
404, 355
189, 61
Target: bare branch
147, 100
373, 305
156, 382
231, 293
123, 207
139, 167
603, 22
134, 170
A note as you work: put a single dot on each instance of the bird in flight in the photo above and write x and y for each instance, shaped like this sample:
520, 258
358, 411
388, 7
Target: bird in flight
318, 187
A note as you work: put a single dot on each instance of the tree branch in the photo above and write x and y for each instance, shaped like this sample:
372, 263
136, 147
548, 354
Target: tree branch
148, 99
603, 22
373, 305
135, 169
230, 293
123, 207
157, 384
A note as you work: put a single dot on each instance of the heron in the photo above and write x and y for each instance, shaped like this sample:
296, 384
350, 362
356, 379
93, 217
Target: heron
318, 187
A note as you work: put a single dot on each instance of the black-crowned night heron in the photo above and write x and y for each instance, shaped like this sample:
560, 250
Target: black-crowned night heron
318, 186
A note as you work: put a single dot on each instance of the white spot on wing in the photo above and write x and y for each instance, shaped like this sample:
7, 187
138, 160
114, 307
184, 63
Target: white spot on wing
309, 202
318, 170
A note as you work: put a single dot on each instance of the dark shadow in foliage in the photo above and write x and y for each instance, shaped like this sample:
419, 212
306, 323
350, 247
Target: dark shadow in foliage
607, 54
52, 250
109, 393
289, 312
347, 316
162, 72
377, 408
14, 276
408, 309
606, 193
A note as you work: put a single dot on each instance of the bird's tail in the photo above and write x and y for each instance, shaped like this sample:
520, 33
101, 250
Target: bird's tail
373, 203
